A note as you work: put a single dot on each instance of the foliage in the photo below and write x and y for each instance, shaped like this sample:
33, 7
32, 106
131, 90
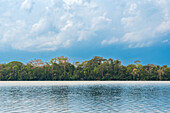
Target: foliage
97, 68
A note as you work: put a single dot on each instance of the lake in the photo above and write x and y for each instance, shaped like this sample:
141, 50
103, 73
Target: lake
80, 97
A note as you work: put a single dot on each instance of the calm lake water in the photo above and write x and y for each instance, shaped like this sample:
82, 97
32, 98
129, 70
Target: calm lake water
80, 97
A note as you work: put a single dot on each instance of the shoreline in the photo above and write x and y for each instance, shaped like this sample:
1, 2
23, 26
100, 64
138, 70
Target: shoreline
51, 83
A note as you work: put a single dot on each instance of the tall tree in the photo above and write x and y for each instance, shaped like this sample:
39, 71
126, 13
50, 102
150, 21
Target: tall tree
63, 62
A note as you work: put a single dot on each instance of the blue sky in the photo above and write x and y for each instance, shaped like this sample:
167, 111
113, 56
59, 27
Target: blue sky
80, 29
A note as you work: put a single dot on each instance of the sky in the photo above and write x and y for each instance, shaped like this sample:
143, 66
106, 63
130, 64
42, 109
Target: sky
80, 29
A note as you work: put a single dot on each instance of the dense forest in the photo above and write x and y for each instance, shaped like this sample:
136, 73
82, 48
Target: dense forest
97, 68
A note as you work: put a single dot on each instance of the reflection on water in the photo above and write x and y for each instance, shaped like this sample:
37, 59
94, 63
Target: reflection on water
146, 97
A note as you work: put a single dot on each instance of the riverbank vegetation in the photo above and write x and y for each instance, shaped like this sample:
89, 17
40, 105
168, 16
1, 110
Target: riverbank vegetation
97, 68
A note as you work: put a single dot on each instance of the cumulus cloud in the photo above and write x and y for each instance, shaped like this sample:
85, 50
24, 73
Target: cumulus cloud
40, 26
48, 25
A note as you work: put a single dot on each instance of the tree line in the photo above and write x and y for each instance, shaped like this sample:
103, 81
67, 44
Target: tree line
98, 68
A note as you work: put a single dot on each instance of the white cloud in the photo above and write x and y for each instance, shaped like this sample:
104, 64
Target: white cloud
67, 43
27, 5
68, 25
109, 42
70, 2
164, 41
164, 27
132, 8
129, 22
52, 25
40, 26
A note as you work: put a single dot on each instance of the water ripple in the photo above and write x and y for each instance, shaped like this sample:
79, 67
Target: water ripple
91, 98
